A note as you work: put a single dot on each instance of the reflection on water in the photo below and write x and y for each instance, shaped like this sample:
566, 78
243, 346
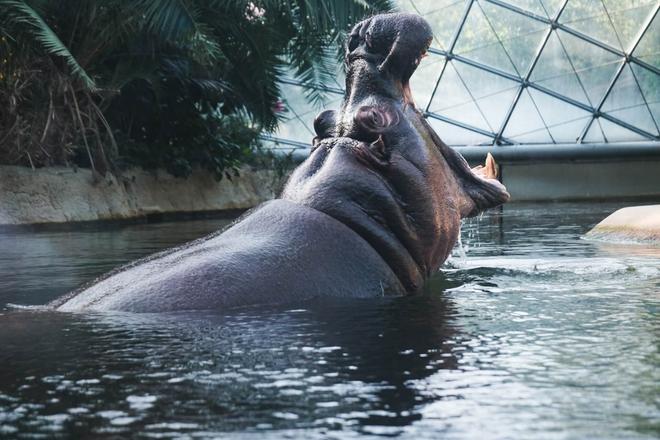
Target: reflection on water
536, 333
36, 267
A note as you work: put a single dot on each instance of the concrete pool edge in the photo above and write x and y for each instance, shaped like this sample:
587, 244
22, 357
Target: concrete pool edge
64, 196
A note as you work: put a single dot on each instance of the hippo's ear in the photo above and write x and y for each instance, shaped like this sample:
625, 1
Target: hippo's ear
325, 123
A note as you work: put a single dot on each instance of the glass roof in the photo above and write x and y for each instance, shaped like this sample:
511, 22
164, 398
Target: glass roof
524, 72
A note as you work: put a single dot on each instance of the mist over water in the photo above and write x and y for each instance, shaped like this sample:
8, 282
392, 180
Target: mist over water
533, 333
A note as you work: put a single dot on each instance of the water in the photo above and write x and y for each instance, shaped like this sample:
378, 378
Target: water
535, 333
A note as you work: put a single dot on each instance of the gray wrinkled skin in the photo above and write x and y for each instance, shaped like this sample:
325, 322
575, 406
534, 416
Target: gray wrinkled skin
279, 252
374, 210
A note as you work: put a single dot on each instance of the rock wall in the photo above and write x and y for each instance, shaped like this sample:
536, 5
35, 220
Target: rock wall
59, 195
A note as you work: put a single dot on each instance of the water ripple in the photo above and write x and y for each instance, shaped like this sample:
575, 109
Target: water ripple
535, 333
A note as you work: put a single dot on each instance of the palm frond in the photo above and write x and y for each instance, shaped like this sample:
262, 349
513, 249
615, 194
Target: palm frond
18, 12
316, 48
180, 22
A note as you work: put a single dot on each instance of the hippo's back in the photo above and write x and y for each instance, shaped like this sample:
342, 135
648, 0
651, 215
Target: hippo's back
278, 253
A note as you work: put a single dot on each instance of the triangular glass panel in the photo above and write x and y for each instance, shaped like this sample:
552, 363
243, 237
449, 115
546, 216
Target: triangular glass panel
480, 43
616, 133
595, 133
493, 94
648, 83
519, 35
555, 72
455, 135
453, 100
627, 18
625, 102
298, 114
425, 78
444, 17
575, 68
525, 125
568, 132
591, 18
551, 7
648, 49
544, 8
594, 66
564, 121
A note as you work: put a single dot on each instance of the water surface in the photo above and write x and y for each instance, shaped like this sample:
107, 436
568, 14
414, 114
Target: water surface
533, 333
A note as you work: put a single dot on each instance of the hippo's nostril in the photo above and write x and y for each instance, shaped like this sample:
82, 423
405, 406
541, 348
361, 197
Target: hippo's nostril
377, 118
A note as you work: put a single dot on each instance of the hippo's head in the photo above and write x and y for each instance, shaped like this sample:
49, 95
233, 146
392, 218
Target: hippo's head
395, 43
382, 53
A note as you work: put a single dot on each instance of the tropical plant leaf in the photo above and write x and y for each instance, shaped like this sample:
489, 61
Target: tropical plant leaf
181, 83
316, 48
180, 22
21, 13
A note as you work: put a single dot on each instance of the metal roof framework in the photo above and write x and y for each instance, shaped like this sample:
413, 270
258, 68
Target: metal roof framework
600, 113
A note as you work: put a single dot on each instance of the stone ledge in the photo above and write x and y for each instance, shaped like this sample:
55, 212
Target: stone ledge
63, 195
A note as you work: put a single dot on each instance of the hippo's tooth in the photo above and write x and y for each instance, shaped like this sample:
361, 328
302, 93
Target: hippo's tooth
488, 170
490, 167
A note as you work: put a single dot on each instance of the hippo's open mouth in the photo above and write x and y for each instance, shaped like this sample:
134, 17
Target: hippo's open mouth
480, 182
406, 91
487, 177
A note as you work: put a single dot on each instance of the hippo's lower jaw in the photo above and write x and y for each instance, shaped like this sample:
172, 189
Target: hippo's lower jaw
479, 184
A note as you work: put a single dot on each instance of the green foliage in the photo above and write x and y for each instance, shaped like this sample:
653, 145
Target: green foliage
157, 83
21, 14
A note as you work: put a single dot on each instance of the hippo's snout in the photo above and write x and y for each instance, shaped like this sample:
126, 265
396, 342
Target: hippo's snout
394, 43
397, 42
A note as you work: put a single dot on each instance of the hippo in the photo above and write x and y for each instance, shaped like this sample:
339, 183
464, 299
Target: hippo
374, 210
424, 187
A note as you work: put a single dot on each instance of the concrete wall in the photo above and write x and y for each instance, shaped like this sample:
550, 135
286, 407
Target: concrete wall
575, 171
582, 180
58, 195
